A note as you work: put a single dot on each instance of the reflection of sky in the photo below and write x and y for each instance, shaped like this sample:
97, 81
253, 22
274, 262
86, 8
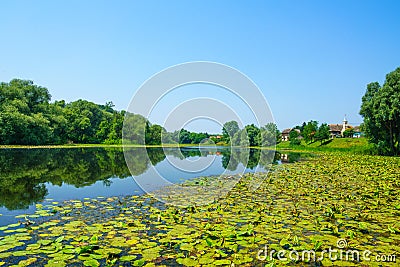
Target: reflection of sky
176, 170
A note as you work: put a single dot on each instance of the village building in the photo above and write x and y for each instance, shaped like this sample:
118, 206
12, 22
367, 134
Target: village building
337, 130
286, 133
357, 132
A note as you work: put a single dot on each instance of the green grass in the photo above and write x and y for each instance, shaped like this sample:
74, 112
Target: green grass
352, 145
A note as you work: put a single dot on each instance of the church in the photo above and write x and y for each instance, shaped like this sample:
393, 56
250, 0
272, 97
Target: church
337, 130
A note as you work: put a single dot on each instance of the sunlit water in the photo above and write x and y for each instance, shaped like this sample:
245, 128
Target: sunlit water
32, 176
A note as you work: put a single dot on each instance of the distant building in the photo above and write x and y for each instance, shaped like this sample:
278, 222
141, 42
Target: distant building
337, 130
286, 133
357, 132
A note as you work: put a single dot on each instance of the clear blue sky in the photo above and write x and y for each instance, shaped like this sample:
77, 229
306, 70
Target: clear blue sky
311, 59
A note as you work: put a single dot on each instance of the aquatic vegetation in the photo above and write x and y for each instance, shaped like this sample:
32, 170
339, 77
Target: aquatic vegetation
307, 205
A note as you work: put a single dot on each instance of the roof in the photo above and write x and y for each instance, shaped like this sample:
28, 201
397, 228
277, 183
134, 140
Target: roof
287, 131
335, 127
357, 128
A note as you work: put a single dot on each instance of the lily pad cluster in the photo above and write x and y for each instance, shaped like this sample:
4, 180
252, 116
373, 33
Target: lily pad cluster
309, 205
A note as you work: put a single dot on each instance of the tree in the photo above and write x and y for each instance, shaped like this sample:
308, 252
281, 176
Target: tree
134, 129
184, 137
322, 133
294, 138
348, 132
253, 133
309, 131
229, 129
154, 134
269, 135
24, 113
380, 109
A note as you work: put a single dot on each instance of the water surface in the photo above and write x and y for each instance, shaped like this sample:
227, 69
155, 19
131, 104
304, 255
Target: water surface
31, 176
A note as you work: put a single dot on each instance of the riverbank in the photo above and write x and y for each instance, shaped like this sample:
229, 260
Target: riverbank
353, 145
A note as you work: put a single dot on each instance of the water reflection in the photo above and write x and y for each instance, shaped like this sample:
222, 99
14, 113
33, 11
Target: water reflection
27, 174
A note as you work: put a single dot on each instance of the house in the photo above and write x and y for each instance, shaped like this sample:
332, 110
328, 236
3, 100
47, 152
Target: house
286, 133
357, 132
335, 130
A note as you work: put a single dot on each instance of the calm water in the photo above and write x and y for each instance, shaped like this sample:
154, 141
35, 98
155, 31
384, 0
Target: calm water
31, 176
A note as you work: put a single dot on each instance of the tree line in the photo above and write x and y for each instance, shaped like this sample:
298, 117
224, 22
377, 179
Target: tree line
27, 117
310, 132
250, 135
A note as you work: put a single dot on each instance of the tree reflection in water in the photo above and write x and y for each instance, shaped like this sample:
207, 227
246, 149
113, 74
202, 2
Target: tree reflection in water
24, 172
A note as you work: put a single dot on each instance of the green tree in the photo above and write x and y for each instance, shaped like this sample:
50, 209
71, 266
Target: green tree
253, 133
229, 129
134, 129
348, 132
24, 113
309, 131
380, 109
154, 134
322, 133
294, 138
269, 135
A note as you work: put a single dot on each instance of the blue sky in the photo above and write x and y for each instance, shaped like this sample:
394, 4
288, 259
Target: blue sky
311, 59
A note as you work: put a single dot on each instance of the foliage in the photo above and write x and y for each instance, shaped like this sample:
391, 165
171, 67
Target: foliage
240, 139
229, 129
28, 118
154, 134
381, 111
253, 134
294, 138
269, 135
348, 132
187, 137
309, 131
322, 133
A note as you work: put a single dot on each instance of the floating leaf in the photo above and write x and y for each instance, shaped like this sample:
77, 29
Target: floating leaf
91, 263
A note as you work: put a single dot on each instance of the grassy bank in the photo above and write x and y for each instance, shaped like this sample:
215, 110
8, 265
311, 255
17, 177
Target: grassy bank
353, 145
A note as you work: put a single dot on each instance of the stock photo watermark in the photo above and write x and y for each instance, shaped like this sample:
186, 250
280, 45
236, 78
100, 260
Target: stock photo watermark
212, 108
341, 253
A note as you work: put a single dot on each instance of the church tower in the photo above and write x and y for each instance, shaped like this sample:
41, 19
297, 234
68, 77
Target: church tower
344, 124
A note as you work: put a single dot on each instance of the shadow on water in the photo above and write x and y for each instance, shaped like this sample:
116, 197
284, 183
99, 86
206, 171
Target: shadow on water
27, 175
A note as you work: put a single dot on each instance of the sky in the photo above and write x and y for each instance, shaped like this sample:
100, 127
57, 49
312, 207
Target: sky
311, 60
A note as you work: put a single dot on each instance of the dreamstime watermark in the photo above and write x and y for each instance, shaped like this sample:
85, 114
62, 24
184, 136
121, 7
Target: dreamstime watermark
213, 108
341, 253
